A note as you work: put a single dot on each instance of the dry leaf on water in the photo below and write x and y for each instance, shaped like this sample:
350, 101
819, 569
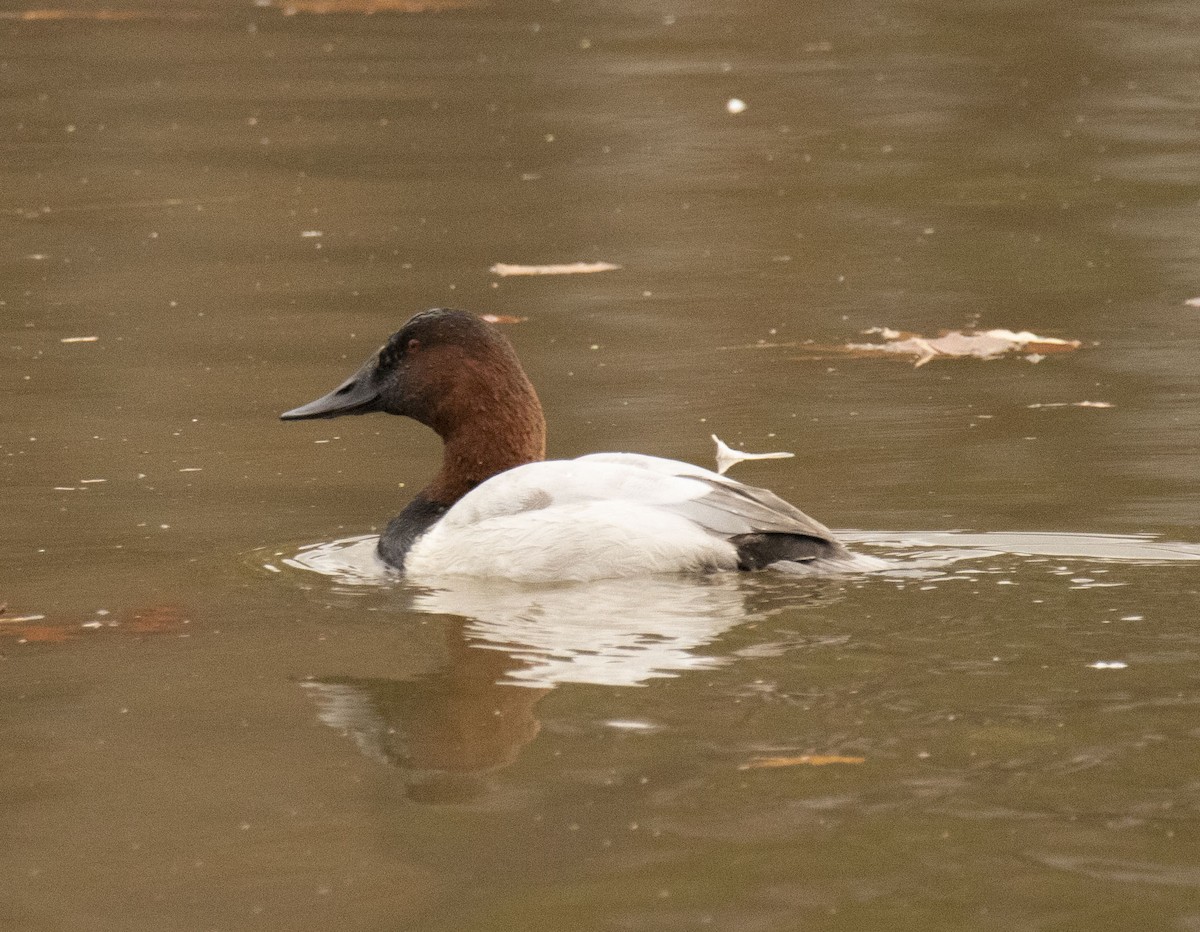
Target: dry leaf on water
1071, 404
31, 629
44, 634
804, 760
287, 7
502, 319
367, 7
158, 619
573, 268
977, 344
154, 619
952, 344
101, 15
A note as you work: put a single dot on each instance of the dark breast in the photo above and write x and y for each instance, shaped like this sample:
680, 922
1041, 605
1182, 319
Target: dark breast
403, 530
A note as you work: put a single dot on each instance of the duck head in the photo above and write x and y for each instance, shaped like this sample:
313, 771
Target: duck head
458, 375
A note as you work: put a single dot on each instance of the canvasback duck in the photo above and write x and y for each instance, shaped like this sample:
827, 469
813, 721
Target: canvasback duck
498, 508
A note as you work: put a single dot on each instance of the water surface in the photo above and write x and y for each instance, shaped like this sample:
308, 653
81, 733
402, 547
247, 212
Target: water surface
216, 716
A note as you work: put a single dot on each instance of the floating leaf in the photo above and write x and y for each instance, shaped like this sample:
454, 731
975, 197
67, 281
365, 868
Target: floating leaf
1072, 404
978, 344
31, 629
367, 7
727, 456
45, 634
158, 619
155, 619
502, 319
104, 15
574, 268
20, 619
804, 760
953, 344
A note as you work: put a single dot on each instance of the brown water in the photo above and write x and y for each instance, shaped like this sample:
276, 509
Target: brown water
215, 717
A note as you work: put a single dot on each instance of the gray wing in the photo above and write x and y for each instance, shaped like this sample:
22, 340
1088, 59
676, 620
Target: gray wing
755, 520
768, 529
750, 510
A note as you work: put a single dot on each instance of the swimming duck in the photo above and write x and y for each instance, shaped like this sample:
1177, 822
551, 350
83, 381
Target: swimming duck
498, 508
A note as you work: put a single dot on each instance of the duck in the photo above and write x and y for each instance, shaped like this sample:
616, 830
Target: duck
498, 508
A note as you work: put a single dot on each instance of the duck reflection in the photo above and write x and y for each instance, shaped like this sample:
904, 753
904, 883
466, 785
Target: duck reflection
446, 730
614, 632
508, 645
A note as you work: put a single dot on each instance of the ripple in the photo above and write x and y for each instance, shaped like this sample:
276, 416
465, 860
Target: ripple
614, 632
353, 560
951, 546
626, 632
1122, 871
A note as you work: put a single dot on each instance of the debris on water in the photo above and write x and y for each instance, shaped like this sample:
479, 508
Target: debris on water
78, 339
1108, 665
951, 344
1072, 404
735, 105
630, 725
728, 457
367, 7
503, 319
1192, 302
978, 344
573, 268
159, 619
803, 760
156, 619
504, 269
104, 15
311, 234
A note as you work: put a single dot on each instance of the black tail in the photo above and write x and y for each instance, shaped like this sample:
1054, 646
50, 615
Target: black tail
754, 551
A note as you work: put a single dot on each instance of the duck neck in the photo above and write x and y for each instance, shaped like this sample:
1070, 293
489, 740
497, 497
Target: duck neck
475, 450
493, 440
